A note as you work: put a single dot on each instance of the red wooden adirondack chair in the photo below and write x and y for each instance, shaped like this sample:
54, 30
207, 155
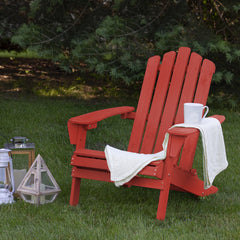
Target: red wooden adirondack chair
180, 77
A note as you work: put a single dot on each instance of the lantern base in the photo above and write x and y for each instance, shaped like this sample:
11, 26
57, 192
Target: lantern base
6, 196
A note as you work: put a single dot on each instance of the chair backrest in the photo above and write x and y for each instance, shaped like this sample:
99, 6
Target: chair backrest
180, 77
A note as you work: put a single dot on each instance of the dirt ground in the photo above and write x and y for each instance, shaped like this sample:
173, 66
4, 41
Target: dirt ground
22, 74
42, 77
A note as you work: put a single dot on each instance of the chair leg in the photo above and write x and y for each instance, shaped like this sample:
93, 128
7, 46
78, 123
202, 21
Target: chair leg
75, 191
164, 191
162, 203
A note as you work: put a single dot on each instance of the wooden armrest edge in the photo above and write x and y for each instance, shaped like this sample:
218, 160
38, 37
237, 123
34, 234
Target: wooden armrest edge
96, 116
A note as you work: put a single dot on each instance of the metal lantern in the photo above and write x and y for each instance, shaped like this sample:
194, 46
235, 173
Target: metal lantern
23, 156
6, 177
38, 186
19, 142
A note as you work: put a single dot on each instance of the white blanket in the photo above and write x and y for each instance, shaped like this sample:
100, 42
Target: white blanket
124, 165
214, 153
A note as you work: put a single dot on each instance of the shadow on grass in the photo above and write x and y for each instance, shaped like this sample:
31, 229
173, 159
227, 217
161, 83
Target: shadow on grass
41, 77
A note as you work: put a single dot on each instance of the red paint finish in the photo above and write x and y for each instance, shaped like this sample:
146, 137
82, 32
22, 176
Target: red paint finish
180, 77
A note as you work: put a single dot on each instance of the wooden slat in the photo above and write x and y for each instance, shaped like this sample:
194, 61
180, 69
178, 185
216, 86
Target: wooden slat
144, 103
153, 170
207, 71
158, 102
147, 182
89, 163
190, 83
173, 95
90, 153
91, 174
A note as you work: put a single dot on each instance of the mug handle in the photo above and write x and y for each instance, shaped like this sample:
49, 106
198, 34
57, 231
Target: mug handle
206, 112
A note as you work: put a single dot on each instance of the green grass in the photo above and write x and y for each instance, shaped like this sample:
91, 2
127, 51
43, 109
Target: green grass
16, 54
104, 211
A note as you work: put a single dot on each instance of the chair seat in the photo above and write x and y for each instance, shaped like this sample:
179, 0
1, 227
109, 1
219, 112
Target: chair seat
87, 158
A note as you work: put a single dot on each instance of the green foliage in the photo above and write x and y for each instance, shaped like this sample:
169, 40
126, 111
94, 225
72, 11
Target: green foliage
115, 38
27, 35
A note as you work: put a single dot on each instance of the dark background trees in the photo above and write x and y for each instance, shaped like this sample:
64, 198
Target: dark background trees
115, 38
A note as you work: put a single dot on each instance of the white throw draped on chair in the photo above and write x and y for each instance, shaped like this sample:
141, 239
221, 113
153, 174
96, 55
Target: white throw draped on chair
124, 165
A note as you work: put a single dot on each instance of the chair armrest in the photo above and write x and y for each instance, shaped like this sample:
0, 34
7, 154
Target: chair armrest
179, 131
182, 132
78, 126
185, 139
96, 116
220, 118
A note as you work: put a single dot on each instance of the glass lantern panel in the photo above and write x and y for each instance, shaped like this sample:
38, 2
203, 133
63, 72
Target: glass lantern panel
8, 178
47, 181
30, 181
20, 161
2, 177
33, 198
50, 197
26, 197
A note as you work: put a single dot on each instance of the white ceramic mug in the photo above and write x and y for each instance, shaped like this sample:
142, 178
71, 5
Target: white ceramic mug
193, 112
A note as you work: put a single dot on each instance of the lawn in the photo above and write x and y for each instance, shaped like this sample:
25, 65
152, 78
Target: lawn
107, 212
31, 107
